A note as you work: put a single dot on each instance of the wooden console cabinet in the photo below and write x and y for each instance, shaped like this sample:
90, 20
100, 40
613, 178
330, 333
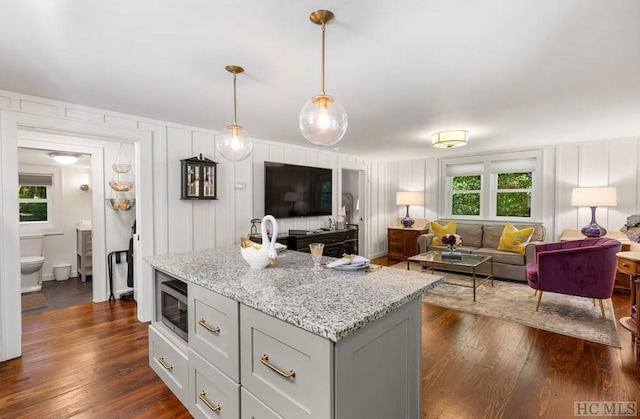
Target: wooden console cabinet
629, 264
403, 242
336, 242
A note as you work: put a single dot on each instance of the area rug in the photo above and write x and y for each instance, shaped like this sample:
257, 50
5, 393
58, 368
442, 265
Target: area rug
33, 301
563, 314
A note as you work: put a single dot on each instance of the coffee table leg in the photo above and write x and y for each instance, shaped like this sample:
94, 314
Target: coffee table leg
492, 271
407, 264
474, 284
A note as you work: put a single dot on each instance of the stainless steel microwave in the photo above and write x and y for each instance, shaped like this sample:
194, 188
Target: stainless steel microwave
174, 307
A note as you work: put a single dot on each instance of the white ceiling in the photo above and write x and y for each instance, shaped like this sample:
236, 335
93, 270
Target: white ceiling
516, 74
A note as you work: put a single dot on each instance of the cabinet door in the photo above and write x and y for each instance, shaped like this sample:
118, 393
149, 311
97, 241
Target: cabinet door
252, 408
211, 393
287, 368
214, 328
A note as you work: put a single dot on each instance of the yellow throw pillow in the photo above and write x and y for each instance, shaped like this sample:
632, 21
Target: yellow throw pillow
514, 240
439, 231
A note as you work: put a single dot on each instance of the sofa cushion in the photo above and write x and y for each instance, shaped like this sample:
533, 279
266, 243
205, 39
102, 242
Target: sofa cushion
539, 232
471, 234
440, 230
491, 235
500, 256
514, 240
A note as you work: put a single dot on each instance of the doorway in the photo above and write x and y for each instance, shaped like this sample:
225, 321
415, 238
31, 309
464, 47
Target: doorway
68, 215
85, 135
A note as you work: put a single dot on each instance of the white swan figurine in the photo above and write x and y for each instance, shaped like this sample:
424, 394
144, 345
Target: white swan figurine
257, 255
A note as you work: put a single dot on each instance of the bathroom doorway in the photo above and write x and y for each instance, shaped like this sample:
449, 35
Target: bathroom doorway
65, 213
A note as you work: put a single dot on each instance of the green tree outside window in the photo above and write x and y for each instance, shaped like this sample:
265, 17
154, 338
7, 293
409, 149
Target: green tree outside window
513, 198
33, 205
466, 196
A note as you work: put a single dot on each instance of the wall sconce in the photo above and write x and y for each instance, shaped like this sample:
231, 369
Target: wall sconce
199, 178
84, 187
594, 197
409, 198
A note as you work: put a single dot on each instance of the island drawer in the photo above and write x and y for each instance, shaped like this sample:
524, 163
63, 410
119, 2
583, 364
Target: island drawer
253, 408
214, 329
286, 367
211, 393
170, 363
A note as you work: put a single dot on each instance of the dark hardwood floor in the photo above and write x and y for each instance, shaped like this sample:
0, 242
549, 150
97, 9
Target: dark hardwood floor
90, 361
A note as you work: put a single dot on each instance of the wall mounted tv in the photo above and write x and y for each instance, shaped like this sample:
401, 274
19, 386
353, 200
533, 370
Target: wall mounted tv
296, 191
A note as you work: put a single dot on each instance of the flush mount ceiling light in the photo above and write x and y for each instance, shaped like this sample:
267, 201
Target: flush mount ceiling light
234, 142
450, 139
323, 120
64, 158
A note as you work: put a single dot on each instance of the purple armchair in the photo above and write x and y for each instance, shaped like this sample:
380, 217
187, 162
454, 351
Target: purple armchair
585, 268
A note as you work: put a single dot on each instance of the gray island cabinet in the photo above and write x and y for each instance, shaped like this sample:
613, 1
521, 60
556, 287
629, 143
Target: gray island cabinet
291, 341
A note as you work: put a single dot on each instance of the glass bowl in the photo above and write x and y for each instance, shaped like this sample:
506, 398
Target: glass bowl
121, 204
121, 186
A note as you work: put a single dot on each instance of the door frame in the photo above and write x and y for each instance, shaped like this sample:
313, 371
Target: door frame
11, 122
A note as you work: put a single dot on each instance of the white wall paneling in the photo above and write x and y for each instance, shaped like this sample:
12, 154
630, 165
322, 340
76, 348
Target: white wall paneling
609, 162
165, 223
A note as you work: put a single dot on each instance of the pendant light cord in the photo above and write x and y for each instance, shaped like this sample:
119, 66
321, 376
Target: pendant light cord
322, 57
235, 119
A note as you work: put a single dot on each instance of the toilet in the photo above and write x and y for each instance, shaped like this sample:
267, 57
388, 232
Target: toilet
31, 262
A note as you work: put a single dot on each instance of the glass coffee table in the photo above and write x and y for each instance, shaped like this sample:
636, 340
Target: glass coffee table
467, 263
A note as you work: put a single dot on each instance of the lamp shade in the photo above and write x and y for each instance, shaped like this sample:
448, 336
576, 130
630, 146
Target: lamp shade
604, 196
409, 198
450, 139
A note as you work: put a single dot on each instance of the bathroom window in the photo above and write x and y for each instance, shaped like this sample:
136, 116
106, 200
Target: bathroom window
35, 198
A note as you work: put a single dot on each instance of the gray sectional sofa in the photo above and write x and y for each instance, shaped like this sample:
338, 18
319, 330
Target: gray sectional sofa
483, 239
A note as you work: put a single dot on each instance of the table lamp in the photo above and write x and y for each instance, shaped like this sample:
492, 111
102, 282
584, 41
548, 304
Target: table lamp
409, 198
594, 197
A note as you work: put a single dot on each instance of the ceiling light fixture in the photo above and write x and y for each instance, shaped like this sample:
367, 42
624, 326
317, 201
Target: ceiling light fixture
450, 139
234, 142
323, 120
64, 158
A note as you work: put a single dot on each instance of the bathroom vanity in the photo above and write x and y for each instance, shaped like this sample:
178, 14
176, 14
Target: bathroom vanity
290, 341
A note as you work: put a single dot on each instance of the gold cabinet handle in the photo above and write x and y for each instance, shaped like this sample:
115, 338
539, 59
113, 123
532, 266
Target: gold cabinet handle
164, 364
202, 397
624, 265
202, 323
265, 360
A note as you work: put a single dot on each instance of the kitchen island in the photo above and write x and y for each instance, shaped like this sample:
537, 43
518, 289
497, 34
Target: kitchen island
292, 340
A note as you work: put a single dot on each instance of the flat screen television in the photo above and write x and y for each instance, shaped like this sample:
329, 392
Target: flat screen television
296, 191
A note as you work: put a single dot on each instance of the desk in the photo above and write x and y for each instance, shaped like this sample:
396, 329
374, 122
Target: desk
629, 264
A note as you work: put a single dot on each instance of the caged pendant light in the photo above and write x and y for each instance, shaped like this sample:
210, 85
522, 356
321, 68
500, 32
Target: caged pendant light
234, 142
323, 120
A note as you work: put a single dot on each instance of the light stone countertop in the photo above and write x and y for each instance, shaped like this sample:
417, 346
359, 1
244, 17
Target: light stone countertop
327, 302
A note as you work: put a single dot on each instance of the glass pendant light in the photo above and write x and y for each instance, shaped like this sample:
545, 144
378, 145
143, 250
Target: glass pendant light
323, 120
234, 142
